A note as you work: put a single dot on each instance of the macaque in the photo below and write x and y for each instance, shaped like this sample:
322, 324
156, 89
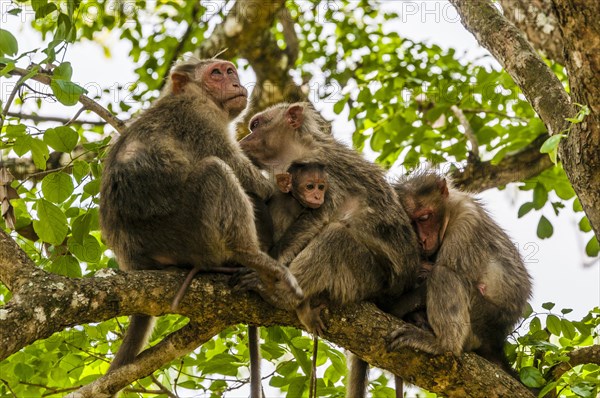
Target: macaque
301, 188
359, 242
177, 190
478, 286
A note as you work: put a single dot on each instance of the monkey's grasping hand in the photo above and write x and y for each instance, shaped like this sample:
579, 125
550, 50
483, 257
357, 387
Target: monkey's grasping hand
406, 336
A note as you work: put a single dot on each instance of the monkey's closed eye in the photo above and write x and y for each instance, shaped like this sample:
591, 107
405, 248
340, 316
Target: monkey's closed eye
424, 217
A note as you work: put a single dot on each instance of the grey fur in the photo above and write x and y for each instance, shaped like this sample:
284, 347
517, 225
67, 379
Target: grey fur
174, 194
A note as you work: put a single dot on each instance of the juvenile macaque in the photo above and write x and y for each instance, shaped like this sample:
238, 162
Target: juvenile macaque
478, 285
301, 187
359, 243
176, 190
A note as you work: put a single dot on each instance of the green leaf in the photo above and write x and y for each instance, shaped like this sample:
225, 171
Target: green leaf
92, 188
39, 153
88, 251
531, 377
67, 266
66, 92
51, 225
551, 144
339, 106
524, 209
592, 248
545, 228
568, 330
553, 324
540, 196
64, 71
535, 325
57, 187
8, 43
62, 139
80, 170
548, 306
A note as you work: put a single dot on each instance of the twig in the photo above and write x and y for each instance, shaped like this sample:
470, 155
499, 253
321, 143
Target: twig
86, 101
65, 121
9, 101
289, 33
464, 122
163, 389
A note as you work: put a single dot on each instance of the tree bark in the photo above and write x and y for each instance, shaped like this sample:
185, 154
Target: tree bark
580, 151
35, 313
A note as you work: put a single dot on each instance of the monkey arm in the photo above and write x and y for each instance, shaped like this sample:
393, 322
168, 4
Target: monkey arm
298, 236
250, 176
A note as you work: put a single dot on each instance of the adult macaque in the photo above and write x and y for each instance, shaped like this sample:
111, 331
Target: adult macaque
359, 243
478, 286
176, 186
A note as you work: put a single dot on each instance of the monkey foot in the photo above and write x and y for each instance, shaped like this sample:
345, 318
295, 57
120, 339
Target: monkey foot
403, 336
283, 292
311, 318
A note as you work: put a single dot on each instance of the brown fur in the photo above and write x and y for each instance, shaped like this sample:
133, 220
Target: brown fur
478, 286
174, 189
360, 242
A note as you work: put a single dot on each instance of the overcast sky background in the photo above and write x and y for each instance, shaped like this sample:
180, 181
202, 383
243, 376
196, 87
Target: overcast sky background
556, 264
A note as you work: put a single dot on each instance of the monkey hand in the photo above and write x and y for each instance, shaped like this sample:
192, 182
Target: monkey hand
311, 318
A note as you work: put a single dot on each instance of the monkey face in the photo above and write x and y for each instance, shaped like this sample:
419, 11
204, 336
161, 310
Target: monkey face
428, 225
269, 137
221, 82
311, 189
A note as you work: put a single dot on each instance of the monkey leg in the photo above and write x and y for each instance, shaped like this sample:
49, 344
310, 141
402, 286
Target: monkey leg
338, 265
226, 218
448, 305
358, 375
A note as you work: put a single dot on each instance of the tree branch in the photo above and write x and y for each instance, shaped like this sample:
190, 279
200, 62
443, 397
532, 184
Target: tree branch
62, 120
86, 101
527, 163
580, 356
210, 302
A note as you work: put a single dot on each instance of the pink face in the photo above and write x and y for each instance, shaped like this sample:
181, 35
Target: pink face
221, 80
428, 226
312, 188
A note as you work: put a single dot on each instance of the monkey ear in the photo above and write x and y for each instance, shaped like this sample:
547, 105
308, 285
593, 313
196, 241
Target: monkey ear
295, 116
443, 186
179, 81
284, 182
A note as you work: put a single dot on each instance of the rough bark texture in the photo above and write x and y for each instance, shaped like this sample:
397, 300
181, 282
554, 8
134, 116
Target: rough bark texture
580, 151
35, 313
537, 19
581, 33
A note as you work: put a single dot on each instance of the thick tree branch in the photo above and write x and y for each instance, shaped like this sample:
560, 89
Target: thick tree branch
210, 302
86, 101
580, 356
537, 19
527, 163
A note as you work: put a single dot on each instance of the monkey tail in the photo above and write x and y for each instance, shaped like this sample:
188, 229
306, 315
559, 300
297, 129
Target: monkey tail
255, 376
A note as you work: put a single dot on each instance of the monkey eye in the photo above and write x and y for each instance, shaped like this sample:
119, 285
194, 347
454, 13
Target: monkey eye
321, 187
216, 71
424, 217
230, 71
254, 124
310, 186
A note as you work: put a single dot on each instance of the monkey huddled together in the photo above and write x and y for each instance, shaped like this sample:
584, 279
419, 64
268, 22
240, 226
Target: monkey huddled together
179, 191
